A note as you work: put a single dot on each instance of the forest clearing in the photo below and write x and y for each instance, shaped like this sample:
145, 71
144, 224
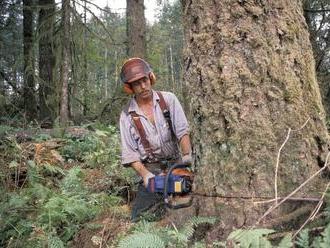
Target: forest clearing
94, 98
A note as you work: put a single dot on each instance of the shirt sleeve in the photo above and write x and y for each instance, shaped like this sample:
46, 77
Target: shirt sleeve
178, 117
129, 147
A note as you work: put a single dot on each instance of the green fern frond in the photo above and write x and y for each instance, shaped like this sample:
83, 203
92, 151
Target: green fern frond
52, 169
286, 242
144, 227
251, 238
326, 237
303, 239
189, 228
72, 183
317, 242
140, 240
55, 242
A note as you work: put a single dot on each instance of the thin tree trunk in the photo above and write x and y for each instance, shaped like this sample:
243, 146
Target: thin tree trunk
136, 28
85, 79
64, 103
106, 73
172, 69
30, 105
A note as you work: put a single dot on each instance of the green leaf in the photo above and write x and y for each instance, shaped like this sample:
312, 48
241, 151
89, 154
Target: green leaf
251, 238
326, 237
101, 133
31, 163
55, 242
286, 242
138, 240
13, 164
303, 239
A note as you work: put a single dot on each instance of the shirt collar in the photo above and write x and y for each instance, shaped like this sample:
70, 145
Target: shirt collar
134, 107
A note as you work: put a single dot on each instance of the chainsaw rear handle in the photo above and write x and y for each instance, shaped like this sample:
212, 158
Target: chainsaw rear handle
166, 200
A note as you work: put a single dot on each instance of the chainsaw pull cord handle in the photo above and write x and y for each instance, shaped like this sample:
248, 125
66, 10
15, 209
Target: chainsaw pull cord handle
166, 200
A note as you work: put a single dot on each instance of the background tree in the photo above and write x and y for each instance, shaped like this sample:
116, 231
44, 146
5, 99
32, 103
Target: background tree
136, 28
64, 102
250, 73
165, 45
11, 59
47, 96
30, 104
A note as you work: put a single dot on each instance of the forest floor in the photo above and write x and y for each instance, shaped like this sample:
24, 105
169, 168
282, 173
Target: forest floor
66, 188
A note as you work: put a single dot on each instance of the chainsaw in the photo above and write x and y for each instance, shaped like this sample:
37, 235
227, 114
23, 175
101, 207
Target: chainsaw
175, 185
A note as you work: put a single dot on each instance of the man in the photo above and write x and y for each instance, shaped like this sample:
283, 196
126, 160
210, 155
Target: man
153, 129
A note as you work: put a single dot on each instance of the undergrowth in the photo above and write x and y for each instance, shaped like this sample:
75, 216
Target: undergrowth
53, 203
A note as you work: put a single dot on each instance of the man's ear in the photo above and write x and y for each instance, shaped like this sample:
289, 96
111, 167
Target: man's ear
152, 78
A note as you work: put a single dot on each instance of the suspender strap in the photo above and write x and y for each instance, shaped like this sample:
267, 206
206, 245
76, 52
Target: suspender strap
139, 127
142, 133
165, 111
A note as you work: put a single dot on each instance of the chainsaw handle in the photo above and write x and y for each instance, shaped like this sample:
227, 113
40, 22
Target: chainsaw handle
166, 200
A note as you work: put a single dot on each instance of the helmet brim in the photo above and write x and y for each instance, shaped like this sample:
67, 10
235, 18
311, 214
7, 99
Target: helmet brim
137, 77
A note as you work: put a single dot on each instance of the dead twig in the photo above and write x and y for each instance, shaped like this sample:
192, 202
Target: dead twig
314, 212
293, 192
279, 154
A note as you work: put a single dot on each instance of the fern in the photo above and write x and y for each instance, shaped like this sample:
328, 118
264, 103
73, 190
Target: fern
139, 240
189, 229
326, 238
55, 242
286, 242
53, 170
72, 183
161, 237
251, 238
303, 239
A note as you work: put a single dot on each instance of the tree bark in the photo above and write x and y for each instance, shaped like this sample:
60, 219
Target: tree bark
250, 73
47, 98
64, 102
30, 105
136, 28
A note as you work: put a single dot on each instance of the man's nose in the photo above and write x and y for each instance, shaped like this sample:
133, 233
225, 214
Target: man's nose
143, 84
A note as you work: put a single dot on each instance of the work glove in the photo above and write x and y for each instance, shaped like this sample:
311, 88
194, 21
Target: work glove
186, 159
146, 178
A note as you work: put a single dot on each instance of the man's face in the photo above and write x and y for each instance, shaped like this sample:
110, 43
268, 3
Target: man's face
142, 88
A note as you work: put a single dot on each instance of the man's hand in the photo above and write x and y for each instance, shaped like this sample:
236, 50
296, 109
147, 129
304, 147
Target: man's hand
143, 172
146, 178
186, 159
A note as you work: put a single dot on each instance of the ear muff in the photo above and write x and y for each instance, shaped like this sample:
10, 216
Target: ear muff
152, 78
127, 88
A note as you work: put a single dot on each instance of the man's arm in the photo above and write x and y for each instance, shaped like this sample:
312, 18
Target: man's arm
142, 171
185, 145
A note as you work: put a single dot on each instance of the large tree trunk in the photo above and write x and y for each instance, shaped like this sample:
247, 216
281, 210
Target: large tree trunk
64, 102
30, 105
46, 61
250, 74
136, 28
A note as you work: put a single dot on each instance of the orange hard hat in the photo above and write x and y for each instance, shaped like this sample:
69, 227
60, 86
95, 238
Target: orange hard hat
133, 69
